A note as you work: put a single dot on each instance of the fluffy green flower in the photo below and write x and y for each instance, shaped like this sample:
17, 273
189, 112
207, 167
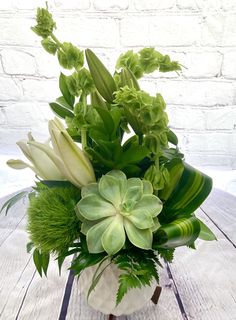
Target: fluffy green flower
115, 207
45, 24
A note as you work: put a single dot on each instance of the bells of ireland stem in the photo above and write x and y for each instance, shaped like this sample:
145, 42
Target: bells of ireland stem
40, 163
116, 208
67, 156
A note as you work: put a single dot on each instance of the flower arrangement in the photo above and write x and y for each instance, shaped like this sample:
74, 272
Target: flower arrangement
127, 197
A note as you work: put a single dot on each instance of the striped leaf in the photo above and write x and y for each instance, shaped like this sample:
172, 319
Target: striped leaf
180, 232
189, 193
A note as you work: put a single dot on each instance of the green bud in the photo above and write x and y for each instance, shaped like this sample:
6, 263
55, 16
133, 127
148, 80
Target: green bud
127, 78
152, 142
157, 176
80, 82
50, 46
45, 24
70, 56
130, 60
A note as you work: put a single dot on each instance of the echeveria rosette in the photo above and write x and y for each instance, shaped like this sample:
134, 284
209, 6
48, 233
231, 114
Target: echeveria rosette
115, 207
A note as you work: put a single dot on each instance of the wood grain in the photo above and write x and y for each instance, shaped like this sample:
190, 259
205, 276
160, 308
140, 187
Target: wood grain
220, 207
205, 277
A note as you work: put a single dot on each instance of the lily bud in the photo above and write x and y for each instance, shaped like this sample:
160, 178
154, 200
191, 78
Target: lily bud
76, 165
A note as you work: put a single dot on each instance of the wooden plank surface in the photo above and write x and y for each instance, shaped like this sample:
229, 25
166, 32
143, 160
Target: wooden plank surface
220, 207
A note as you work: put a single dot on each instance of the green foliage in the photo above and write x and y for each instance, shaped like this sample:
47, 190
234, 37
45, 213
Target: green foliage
13, 200
205, 233
52, 222
166, 254
180, 232
138, 269
41, 261
45, 24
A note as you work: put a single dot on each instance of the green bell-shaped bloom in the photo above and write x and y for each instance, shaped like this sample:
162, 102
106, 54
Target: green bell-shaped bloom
117, 207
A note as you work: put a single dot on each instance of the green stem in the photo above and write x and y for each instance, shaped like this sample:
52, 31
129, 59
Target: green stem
54, 38
84, 131
140, 139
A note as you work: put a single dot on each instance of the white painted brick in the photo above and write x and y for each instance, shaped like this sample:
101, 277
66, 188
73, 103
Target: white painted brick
18, 62
28, 4
209, 142
72, 4
6, 5
186, 4
110, 5
202, 64
213, 29
9, 89
223, 118
16, 31
229, 35
195, 93
40, 90
209, 160
47, 64
228, 5
186, 118
160, 31
24, 114
89, 31
229, 65
209, 4
153, 4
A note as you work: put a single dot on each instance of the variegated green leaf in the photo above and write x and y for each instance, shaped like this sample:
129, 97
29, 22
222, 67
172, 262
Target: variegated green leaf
180, 232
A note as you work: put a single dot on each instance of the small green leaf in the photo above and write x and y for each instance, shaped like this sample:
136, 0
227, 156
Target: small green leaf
61, 111
62, 101
37, 257
45, 262
13, 200
65, 91
29, 246
206, 233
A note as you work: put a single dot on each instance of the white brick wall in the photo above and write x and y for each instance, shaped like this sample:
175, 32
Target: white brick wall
201, 34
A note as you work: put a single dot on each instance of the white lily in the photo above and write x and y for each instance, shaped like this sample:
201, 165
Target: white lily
40, 163
67, 156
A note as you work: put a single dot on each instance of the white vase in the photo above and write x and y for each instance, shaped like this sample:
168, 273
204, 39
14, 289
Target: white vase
103, 297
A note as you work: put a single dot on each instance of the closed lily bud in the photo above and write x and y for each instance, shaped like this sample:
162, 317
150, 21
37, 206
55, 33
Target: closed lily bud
72, 162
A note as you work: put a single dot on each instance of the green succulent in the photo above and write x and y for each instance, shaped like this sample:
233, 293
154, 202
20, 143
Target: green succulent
115, 207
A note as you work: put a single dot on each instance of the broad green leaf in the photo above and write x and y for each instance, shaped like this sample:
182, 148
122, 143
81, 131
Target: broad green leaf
189, 193
96, 100
113, 239
102, 78
13, 200
61, 111
62, 101
94, 235
206, 233
94, 207
172, 138
37, 257
175, 168
29, 246
107, 120
134, 154
65, 91
139, 238
180, 232
85, 260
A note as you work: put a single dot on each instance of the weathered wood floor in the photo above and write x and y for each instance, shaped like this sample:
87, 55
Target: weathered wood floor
199, 285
